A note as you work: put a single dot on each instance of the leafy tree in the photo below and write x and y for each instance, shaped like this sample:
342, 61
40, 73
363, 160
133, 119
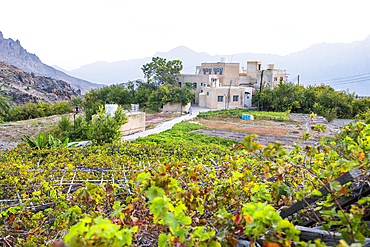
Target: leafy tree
182, 95
161, 72
323, 100
105, 128
4, 102
91, 103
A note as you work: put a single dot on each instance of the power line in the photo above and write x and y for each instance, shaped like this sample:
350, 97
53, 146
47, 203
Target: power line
357, 80
342, 78
351, 82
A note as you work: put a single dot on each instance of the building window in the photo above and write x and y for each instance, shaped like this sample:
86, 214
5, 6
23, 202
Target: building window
207, 93
220, 99
201, 91
235, 98
195, 85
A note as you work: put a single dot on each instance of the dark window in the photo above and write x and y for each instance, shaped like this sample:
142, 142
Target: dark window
207, 93
201, 91
195, 85
236, 98
220, 99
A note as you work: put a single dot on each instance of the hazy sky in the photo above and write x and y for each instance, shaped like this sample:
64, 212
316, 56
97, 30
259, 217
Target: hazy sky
72, 33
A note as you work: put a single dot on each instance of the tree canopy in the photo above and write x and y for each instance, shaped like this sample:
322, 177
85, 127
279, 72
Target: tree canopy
161, 72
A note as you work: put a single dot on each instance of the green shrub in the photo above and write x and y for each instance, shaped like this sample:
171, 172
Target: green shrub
105, 128
41, 142
40, 109
330, 114
64, 124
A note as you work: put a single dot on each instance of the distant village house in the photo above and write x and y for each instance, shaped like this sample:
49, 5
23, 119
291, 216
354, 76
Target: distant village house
224, 85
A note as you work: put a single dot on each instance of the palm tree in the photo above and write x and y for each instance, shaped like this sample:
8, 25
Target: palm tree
4, 102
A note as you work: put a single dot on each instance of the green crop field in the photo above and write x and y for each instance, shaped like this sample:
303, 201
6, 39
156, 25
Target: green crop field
172, 190
277, 116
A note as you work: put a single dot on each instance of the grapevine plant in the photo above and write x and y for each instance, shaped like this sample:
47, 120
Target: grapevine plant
179, 193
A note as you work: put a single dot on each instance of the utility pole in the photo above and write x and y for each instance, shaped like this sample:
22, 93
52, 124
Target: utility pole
225, 101
228, 97
298, 80
259, 98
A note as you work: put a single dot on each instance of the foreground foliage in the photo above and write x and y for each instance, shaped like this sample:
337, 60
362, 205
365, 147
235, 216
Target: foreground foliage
177, 193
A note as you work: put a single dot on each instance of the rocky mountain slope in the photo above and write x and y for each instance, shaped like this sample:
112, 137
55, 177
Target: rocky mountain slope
11, 52
23, 87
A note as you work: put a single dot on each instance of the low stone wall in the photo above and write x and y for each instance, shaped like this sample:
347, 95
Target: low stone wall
136, 123
175, 107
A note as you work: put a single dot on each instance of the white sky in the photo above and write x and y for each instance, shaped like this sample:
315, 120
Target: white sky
72, 33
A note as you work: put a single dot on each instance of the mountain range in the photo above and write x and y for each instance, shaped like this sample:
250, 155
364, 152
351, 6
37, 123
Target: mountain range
12, 53
340, 65
343, 66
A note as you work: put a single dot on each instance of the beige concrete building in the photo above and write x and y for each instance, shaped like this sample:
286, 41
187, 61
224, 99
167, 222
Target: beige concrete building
225, 85
252, 75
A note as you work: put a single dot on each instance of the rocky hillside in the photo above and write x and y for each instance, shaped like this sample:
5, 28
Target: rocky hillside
23, 87
11, 52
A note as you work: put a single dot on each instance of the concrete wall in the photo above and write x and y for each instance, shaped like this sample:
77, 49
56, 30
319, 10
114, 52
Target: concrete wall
209, 97
175, 107
198, 79
230, 71
136, 123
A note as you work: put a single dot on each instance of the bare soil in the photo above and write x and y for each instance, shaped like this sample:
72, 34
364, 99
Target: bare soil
287, 132
11, 133
155, 119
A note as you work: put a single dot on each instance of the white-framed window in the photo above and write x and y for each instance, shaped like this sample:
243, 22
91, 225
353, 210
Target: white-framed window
220, 98
235, 98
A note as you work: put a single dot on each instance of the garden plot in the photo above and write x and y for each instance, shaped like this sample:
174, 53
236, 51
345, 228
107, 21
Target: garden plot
286, 131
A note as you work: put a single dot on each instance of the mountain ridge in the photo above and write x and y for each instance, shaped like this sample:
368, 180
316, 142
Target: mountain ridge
12, 53
23, 87
315, 64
